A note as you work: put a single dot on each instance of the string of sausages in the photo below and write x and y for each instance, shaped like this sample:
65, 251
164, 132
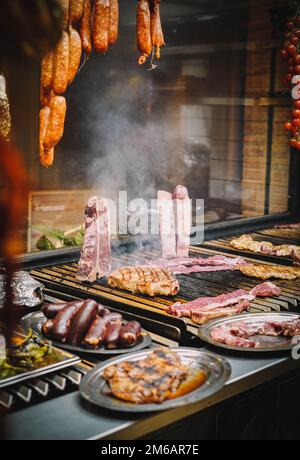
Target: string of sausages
88, 25
150, 37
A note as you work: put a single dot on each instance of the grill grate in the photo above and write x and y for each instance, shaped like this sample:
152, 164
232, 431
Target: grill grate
61, 278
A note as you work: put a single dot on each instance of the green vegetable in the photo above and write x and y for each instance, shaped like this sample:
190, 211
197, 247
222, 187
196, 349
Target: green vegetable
47, 241
44, 244
28, 354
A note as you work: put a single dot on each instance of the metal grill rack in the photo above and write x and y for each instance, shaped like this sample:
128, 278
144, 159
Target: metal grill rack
61, 278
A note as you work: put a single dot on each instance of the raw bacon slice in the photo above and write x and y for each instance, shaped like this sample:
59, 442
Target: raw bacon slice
183, 221
95, 261
166, 223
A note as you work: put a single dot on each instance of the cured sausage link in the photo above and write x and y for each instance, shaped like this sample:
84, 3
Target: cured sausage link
101, 26
144, 42
113, 22
76, 10
85, 28
61, 65
46, 155
47, 71
157, 35
74, 54
55, 128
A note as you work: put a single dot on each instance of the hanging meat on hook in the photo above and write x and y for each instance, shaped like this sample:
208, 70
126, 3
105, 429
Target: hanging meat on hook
85, 28
61, 65
101, 26
113, 22
65, 6
144, 42
75, 51
75, 11
157, 35
46, 155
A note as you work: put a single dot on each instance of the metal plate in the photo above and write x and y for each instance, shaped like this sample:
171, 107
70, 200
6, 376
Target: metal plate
35, 321
64, 360
95, 389
267, 344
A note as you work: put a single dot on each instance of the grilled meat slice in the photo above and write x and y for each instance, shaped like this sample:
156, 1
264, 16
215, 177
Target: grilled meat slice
247, 243
151, 380
266, 272
144, 280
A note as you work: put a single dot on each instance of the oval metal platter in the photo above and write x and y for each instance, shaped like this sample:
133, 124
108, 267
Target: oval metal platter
95, 389
266, 344
35, 322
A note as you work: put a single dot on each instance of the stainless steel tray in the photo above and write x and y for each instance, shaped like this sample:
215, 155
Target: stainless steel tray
267, 344
95, 389
64, 359
35, 322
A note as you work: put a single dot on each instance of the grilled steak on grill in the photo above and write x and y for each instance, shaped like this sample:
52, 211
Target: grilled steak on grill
144, 280
266, 272
247, 243
151, 380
